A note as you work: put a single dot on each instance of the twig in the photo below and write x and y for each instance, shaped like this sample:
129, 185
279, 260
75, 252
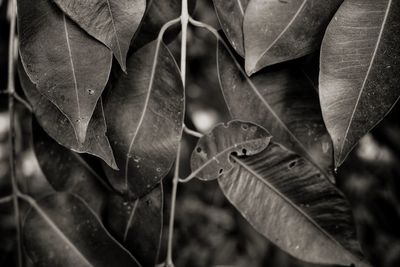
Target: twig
23, 101
184, 23
192, 132
11, 108
6, 199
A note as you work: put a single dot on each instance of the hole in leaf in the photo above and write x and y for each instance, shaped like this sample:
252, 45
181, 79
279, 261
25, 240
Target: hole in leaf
235, 154
292, 164
221, 171
198, 149
244, 151
245, 127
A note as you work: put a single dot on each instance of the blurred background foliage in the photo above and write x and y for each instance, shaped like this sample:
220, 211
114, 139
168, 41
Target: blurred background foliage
209, 231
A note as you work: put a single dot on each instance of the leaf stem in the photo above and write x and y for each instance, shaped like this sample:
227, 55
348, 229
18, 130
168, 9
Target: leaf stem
192, 132
6, 199
184, 24
11, 108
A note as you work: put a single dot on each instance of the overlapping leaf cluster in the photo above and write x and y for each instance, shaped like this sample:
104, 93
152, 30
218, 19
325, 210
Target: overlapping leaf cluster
303, 81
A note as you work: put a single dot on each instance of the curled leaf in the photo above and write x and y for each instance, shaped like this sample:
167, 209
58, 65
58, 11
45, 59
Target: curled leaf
210, 159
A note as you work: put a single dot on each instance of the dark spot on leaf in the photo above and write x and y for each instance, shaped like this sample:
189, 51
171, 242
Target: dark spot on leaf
245, 127
148, 202
292, 164
198, 149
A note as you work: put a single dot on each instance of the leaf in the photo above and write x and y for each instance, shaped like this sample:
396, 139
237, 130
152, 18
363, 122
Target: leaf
287, 199
230, 15
138, 224
157, 14
144, 112
112, 22
210, 159
277, 31
359, 70
68, 67
60, 129
61, 230
283, 100
66, 171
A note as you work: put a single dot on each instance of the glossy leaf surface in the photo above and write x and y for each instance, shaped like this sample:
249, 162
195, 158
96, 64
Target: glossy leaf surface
284, 101
112, 22
60, 129
359, 74
138, 224
210, 159
230, 15
67, 171
144, 113
67, 66
287, 199
63, 231
277, 31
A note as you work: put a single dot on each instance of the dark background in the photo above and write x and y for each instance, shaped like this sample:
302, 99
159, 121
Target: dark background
209, 231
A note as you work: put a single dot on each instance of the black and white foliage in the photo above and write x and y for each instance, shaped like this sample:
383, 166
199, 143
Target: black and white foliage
274, 161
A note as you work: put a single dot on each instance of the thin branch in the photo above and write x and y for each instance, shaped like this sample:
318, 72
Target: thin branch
11, 108
184, 18
192, 132
23, 101
6, 199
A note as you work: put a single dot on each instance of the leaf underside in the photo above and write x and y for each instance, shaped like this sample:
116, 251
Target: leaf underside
63, 231
138, 224
68, 67
359, 81
144, 113
57, 125
286, 199
282, 99
111, 22
277, 31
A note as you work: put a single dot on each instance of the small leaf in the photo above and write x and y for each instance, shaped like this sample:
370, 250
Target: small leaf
138, 224
359, 73
210, 159
67, 66
112, 22
277, 30
230, 15
60, 129
287, 199
66, 171
283, 100
62, 231
144, 113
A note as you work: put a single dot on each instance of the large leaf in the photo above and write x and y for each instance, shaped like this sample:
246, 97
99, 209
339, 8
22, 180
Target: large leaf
113, 22
283, 100
210, 159
360, 64
277, 31
62, 231
230, 15
157, 14
286, 199
59, 127
69, 67
144, 112
138, 224
66, 171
